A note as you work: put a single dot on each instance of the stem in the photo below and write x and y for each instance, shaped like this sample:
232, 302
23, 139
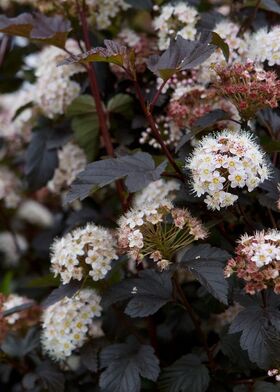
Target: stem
155, 131
3, 48
156, 97
181, 296
101, 114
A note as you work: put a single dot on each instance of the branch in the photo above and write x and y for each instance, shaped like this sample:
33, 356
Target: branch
156, 97
102, 117
155, 131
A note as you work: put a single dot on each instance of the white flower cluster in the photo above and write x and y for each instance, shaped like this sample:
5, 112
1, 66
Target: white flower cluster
265, 46
156, 192
129, 37
263, 248
105, 11
228, 31
35, 213
12, 246
67, 323
169, 131
16, 130
177, 19
84, 251
12, 301
71, 161
55, 90
223, 162
274, 373
10, 187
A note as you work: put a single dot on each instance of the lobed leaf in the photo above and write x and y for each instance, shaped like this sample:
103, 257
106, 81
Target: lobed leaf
147, 294
113, 53
85, 124
124, 364
52, 30
181, 54
258, 336
138, 170
206, 263
64, 290
187, 374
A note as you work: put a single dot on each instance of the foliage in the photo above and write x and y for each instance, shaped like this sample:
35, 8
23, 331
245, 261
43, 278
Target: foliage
103, 110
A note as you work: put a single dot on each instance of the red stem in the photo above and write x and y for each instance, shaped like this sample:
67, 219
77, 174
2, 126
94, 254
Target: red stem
155, 131
102, 117
156, 97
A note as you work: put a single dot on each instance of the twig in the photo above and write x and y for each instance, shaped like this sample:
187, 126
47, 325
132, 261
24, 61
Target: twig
155, 131
156, 97
3, 48
102, 117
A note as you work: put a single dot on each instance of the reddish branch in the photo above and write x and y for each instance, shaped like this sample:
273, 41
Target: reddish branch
155, 131
101, 113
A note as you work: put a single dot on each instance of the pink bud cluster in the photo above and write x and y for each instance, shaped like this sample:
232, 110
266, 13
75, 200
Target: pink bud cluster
257, 261
158, 231
249, 88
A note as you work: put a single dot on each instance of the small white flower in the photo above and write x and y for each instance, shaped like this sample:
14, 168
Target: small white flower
87, 250
68, 323
223, 162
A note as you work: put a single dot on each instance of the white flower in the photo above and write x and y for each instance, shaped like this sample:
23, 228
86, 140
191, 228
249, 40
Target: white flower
225, 161
71, 161
156, 192
87, 250
35, 213
54, 89
12, 301
10, 187
12, 246
265, 46
67, 324
177, 19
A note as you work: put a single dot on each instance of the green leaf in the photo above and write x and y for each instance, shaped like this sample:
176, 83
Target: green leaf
5, 286
221, 43
181, 54
124, 364
39, 28
140, 4
206, 264
84, 104
271, 146
187, 374
44, 281
147, 294
85, 124
138, 170
121, 104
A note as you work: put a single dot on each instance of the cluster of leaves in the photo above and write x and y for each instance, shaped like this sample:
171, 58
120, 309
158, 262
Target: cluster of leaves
159, 333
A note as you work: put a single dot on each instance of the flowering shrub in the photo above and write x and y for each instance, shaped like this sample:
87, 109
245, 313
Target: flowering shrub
139, 196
